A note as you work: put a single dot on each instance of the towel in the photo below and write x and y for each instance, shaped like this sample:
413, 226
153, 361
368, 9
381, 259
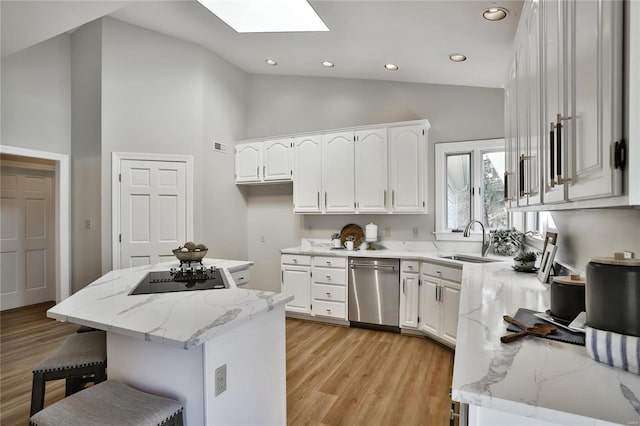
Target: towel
616, 350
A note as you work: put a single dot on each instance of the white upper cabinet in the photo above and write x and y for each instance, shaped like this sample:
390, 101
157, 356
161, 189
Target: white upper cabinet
248, 162
371, 171
260, 162
338, 155
407, 164
276, 159
307, 174
568, 99
594, 97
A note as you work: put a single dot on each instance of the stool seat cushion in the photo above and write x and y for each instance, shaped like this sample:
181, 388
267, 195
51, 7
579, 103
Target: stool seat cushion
78, 350
109, 403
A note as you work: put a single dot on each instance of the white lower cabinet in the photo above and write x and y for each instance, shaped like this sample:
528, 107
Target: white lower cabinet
318, 284
296, 281
409, 293
439, 301
329, 287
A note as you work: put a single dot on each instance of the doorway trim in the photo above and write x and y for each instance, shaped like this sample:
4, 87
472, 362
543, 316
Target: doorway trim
116, 159
62, 210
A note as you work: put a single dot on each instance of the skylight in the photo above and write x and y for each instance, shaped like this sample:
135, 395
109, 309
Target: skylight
266, 16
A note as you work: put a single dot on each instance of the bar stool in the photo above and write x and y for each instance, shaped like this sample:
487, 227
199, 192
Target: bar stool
81, 358
112, 403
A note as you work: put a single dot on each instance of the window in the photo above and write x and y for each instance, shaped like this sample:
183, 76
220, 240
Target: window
469, 185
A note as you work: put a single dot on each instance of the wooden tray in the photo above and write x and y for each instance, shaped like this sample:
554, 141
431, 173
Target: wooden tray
352, 229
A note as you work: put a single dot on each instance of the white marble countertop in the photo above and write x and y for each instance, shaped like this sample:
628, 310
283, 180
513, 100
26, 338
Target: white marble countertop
538, 378
183, 319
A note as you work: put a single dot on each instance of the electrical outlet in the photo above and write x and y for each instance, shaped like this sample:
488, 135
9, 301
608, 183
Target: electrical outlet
87, 224
221, 379
387, 232
415, 232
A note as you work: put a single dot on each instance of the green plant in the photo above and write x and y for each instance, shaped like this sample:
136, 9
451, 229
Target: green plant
528, 256
506, 241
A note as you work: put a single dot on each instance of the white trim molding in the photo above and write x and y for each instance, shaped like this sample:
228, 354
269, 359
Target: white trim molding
62, 211
116, 159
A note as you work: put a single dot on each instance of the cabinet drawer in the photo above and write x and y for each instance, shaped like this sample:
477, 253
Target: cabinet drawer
296, 259
330, 262
329, 276
329, 309
410, 266
241, 277
439, 271
329, 292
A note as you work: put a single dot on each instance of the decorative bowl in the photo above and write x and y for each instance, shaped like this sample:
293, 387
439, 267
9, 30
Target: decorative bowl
189, 256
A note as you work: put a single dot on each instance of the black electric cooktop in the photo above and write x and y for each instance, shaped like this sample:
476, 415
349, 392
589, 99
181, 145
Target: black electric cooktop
178, 280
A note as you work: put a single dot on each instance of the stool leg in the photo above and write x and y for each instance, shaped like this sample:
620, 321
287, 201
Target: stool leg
177, 420
72, 385
101, 374
37, 393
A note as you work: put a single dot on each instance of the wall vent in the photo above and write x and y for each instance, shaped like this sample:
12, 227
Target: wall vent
220, 147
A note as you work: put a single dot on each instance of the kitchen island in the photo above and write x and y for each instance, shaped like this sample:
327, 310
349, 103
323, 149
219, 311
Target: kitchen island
171, 344
532, 381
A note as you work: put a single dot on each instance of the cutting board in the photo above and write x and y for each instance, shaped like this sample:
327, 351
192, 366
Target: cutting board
561, 335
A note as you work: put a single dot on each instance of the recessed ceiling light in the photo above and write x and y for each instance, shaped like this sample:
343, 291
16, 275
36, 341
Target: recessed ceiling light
270, 62
260, 16
495, 13
391, 67
328, 64
457, 57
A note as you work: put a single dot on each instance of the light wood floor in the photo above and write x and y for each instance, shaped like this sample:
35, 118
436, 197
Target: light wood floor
335, 375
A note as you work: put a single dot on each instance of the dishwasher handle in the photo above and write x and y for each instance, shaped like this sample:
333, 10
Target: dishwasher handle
367, 266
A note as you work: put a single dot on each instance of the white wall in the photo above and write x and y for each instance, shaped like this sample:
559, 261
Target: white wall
86, 53
164, 95
281, 105
36, 109
583, 234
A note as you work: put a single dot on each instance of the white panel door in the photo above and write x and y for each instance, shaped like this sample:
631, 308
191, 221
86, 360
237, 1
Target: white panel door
371, 170
152, 211
248, 162
307, 174
407, 159
296, 281
429, 306
276, 160
595, 54
338, 175
26, 238
409, 300
450, 306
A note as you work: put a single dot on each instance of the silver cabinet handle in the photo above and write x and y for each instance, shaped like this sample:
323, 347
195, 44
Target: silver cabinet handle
329, 262
325, 200
393, 198
258, 171
328, 294
328, 277
328, 311
295, 260
436, 292
404, 284
385, 198
410, 266
263, 171
318, 201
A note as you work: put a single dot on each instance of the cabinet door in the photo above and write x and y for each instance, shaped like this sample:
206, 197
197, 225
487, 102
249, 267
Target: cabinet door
409, 298
450, 305
534, 129
296, 281
276, 160
595, 59
307, 174
511, 141
338, 172
371, 170
522, 117
248, 162
429, 306
407, 160
553, 89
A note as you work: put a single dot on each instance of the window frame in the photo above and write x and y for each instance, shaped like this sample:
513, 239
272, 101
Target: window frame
476, 148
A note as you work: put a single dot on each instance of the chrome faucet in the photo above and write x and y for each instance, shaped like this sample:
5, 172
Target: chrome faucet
485, 243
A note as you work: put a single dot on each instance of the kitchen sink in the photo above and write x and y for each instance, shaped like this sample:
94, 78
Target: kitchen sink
469, 259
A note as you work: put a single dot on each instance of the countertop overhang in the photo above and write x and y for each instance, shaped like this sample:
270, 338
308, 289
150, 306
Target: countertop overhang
180, 319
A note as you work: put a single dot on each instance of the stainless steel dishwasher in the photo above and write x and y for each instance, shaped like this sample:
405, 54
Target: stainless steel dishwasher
374, 293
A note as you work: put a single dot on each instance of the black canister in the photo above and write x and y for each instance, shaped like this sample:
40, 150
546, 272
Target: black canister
567, 297
613, 295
